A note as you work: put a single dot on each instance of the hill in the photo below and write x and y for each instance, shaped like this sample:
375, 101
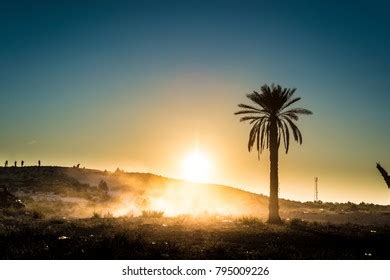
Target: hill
75, 192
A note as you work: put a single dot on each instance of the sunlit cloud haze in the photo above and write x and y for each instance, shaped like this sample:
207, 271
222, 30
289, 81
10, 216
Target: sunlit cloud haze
140, 85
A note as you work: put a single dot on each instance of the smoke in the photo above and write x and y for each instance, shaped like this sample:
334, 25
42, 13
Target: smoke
130, 194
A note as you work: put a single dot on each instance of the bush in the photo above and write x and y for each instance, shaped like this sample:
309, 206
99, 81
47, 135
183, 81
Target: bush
152, 214
249, 221
11, 212
37, 214
96, 215
297, 223
103, 186
108, 215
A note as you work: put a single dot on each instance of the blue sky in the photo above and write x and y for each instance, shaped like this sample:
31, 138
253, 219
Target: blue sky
78, 78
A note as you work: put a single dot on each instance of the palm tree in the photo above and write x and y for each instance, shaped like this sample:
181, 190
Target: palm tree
272, 121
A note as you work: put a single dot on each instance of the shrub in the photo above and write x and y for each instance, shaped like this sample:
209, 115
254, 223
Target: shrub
152, 214
297, 223
249, 221
37, 214
108, 215
103, 186
96, 215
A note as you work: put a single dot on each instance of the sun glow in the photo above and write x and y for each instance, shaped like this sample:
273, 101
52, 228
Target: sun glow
196, 167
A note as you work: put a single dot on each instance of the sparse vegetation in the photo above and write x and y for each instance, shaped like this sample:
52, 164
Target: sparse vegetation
68, 216
103, 186
108, 215
296, 223
249, 221
96, 215
193, 238
152, 214
37, 215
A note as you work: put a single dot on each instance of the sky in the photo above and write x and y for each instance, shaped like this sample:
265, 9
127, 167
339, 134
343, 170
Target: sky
140, 84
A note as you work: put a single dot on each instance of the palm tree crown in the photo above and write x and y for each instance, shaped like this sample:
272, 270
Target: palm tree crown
271, 106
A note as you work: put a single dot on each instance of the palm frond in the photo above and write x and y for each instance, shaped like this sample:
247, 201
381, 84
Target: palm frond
296, 132
290, 93
299, 111
263, 132
292, 101
260, 125
247, 118
246, 112
287, 131
258, 99
248, 107
290, 115
258, 143
252, 135
283, 129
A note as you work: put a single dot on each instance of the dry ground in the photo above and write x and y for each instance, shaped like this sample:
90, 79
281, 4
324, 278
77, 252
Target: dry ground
30, 237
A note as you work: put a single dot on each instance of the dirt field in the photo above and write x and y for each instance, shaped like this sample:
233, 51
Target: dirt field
187, 238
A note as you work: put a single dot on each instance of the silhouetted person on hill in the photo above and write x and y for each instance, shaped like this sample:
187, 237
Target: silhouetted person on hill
6, 163
22, 163
39, 163
15, 163
384, 174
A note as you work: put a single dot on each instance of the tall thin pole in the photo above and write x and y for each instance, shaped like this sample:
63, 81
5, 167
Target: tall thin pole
315, 189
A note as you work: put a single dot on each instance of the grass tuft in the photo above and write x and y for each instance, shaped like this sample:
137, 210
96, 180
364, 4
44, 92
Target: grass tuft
96, 215
249, 221
152, 214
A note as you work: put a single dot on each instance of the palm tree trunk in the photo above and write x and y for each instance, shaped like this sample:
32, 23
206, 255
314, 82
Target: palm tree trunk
274, 217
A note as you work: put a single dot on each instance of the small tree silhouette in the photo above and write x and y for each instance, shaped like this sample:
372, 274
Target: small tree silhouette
15, 163
6, 163
39, 163
22, 163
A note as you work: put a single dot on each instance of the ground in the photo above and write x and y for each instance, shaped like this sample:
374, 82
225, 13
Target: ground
30, 237
144, 216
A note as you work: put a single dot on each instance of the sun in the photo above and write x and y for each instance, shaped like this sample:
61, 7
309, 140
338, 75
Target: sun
196, 167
